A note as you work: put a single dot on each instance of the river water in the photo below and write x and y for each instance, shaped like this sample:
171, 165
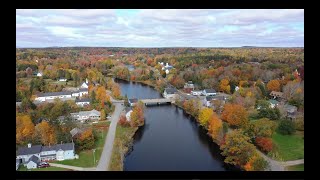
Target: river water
170, 140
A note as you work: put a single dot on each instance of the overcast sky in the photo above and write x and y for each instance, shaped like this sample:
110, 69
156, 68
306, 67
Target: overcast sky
160, 28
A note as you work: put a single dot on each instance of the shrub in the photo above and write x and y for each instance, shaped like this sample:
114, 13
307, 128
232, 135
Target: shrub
299, 124
123, 121
286, 127
260, 164
263, 143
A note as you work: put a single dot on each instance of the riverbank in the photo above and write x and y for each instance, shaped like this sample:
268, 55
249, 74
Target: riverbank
122, 145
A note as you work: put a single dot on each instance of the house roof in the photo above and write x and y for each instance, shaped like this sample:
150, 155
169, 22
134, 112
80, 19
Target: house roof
210, 90
187, 85
54, 94
89, 113
275, 93
83, 89
127, 109
170, 90
75, 131
83, 100
133, 100
290, 108
34, 159
32, 150
209, 98
57, 147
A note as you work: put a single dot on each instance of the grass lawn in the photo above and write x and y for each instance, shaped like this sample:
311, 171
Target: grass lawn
289, 147
86, 157
22, 168
123, 137
299, 167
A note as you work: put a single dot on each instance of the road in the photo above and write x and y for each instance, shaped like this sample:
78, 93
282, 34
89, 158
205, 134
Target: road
75, 168
108, 145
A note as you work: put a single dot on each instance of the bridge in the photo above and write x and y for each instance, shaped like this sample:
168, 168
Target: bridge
156, 101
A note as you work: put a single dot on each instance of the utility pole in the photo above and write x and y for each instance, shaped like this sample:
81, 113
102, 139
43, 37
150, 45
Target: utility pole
94, 158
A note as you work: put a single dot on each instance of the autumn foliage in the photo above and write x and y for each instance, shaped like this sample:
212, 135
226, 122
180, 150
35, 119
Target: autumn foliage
24, 128
235, 115
205, 116
85, 140
137, 115
265, 144
224, 86
273, 85
215, 127
123, 121
46, 133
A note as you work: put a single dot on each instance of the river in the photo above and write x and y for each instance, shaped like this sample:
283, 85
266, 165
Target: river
170, 140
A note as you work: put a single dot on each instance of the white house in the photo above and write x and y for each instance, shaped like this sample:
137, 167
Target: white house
17, 164
169, 93
83, 116
167, 71
63, 79
236, 88
82, 102
84, 85
196, 93
209, 92
133, 101
39, 74
208, 100
128, 114
52, 95
83, 91
30, 156
32, 162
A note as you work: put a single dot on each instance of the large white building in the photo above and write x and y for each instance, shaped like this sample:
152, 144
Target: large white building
82, 102
30, 156
53, 95
83, 116
169, 93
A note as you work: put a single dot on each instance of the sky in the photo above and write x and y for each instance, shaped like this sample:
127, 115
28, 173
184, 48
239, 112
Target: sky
159, 27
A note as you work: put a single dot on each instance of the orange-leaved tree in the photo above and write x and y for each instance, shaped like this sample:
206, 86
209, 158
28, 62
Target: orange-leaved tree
273, 85
24, 129
224, 86
46, 133
215, 127
235, 115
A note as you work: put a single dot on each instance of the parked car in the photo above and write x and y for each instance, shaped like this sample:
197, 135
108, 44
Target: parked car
108, 117
43, 165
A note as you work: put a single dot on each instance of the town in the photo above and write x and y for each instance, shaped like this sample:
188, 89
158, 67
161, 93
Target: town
141, 108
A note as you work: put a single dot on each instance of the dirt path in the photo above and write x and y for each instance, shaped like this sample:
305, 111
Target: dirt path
73, 167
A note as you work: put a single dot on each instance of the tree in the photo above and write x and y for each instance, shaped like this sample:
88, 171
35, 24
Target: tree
204, 117
270, 113
286, 127
85, 140
137, 115
256, 163
237, 149
224, 86
103, 115
215, 127
123, 121
273, 85
46, 133
264, 143
126, 101
116, 90
235, 115
261, 128
29, 71
24, 129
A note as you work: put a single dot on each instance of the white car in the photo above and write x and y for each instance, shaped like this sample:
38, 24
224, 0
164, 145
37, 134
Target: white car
108, 117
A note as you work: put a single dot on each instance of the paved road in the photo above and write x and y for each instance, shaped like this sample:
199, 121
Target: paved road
75, 168
108, 145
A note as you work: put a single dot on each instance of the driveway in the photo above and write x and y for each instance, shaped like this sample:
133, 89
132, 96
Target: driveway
75, 168
108, 145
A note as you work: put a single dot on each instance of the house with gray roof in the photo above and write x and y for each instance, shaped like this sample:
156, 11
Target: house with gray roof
30, 156
291, 111
53, 95
83, 116
83, 102
209, 92
75, 131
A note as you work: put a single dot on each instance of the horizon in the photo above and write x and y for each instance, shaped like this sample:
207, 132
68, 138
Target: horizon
161, 28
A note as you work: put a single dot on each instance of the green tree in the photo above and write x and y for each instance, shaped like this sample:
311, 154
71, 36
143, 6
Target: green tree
286, 127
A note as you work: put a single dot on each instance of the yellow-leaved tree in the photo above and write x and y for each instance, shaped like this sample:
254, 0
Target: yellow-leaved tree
204, 117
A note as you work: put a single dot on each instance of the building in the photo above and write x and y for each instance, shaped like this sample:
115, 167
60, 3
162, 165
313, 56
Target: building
170, 93
273, 103
30, 156
291, 111
39, 74
53, 95
83, 91
188, 87
208, 101
84, 85
83, 102
33, 162
276, 95
209, 92
196, 93
75, 132
133, 101
83, 116
18, 161
236, 88
63, 79
128, 113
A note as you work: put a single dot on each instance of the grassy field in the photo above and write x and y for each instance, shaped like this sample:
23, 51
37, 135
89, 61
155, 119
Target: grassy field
299, 167
22, 168
122, 138
86, 157
289, 147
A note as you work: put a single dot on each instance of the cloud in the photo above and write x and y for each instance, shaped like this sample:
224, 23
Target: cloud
159, 28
